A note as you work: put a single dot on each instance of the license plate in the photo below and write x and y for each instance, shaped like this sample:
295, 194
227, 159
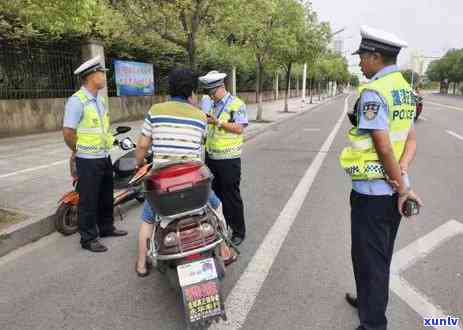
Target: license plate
196, 272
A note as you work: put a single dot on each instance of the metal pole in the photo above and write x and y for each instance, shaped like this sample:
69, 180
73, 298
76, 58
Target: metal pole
234, 80
304, 78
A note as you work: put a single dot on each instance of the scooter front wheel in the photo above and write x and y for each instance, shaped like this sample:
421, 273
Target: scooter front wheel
66, 221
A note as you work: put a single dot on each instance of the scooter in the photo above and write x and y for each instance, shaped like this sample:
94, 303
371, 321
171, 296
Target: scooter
186, 245
127, 186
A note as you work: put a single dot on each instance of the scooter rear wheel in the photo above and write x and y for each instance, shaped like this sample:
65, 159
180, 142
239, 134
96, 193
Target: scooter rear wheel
66, 221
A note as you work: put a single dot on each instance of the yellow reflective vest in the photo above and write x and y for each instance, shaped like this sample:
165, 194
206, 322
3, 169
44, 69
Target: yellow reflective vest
221, 144
93, 134
360, 159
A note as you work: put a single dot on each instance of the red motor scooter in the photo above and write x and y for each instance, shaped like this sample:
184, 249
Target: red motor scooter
187, 244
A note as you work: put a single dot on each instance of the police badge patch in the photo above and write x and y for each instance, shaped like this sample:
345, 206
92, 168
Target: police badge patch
370, 110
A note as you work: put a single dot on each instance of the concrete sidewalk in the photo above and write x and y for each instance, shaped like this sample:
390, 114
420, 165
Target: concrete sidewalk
34, 172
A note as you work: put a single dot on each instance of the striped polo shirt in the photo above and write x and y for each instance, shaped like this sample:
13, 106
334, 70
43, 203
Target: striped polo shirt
177, 130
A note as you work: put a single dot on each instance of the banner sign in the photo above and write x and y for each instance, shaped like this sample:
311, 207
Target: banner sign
134, 78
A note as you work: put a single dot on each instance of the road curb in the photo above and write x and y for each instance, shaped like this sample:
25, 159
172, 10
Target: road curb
24, 233
34, 229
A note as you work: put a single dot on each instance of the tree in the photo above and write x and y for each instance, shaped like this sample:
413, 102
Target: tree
276, 32
258, 30
354, 80
306, 40
291, 49
179, 22
58, 19
407, 74
447, 69
13, 25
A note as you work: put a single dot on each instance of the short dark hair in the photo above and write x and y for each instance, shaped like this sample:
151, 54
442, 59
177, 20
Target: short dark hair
182, 82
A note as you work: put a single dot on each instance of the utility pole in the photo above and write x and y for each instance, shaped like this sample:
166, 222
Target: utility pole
234, 81
304, 78
231, 39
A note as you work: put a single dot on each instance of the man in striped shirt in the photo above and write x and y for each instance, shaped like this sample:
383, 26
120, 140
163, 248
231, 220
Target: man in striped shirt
174, 130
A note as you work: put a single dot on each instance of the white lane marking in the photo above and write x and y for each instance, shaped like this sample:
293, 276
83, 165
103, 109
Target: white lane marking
15, 254
445, 106
311, 129
424, 245
454, 134
410, 255
416, 300
423, 118
32, 169
245, 291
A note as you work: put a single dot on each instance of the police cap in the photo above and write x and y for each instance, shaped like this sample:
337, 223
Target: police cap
212, 79
90, 66
378, 41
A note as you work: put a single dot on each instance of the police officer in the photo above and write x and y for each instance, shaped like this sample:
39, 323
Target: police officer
86, 133
382, 145
227, 120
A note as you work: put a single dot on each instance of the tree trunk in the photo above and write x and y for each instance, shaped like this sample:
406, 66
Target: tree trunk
192, 53
319, 91
288, 85
454, 88
260, 71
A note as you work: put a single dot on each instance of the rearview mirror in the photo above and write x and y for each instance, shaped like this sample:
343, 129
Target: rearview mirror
122, 130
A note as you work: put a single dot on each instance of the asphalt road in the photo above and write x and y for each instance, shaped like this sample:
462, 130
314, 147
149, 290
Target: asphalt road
295, 263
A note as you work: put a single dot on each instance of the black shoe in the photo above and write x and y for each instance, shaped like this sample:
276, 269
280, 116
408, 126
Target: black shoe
94, 246
237, 240
114, 232
351, 300
360, 328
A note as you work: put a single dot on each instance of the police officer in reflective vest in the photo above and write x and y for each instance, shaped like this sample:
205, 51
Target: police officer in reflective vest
227, 120
382, 144
86, 133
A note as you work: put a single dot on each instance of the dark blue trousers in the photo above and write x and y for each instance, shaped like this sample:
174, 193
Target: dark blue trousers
375, 221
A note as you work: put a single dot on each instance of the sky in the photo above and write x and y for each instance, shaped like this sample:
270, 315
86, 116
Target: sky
428, 26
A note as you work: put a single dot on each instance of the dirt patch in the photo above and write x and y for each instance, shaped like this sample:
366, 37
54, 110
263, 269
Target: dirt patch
9, 217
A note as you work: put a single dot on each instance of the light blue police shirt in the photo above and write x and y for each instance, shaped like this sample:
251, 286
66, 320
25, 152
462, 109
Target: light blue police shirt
375, 187
74, 111
208, 106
